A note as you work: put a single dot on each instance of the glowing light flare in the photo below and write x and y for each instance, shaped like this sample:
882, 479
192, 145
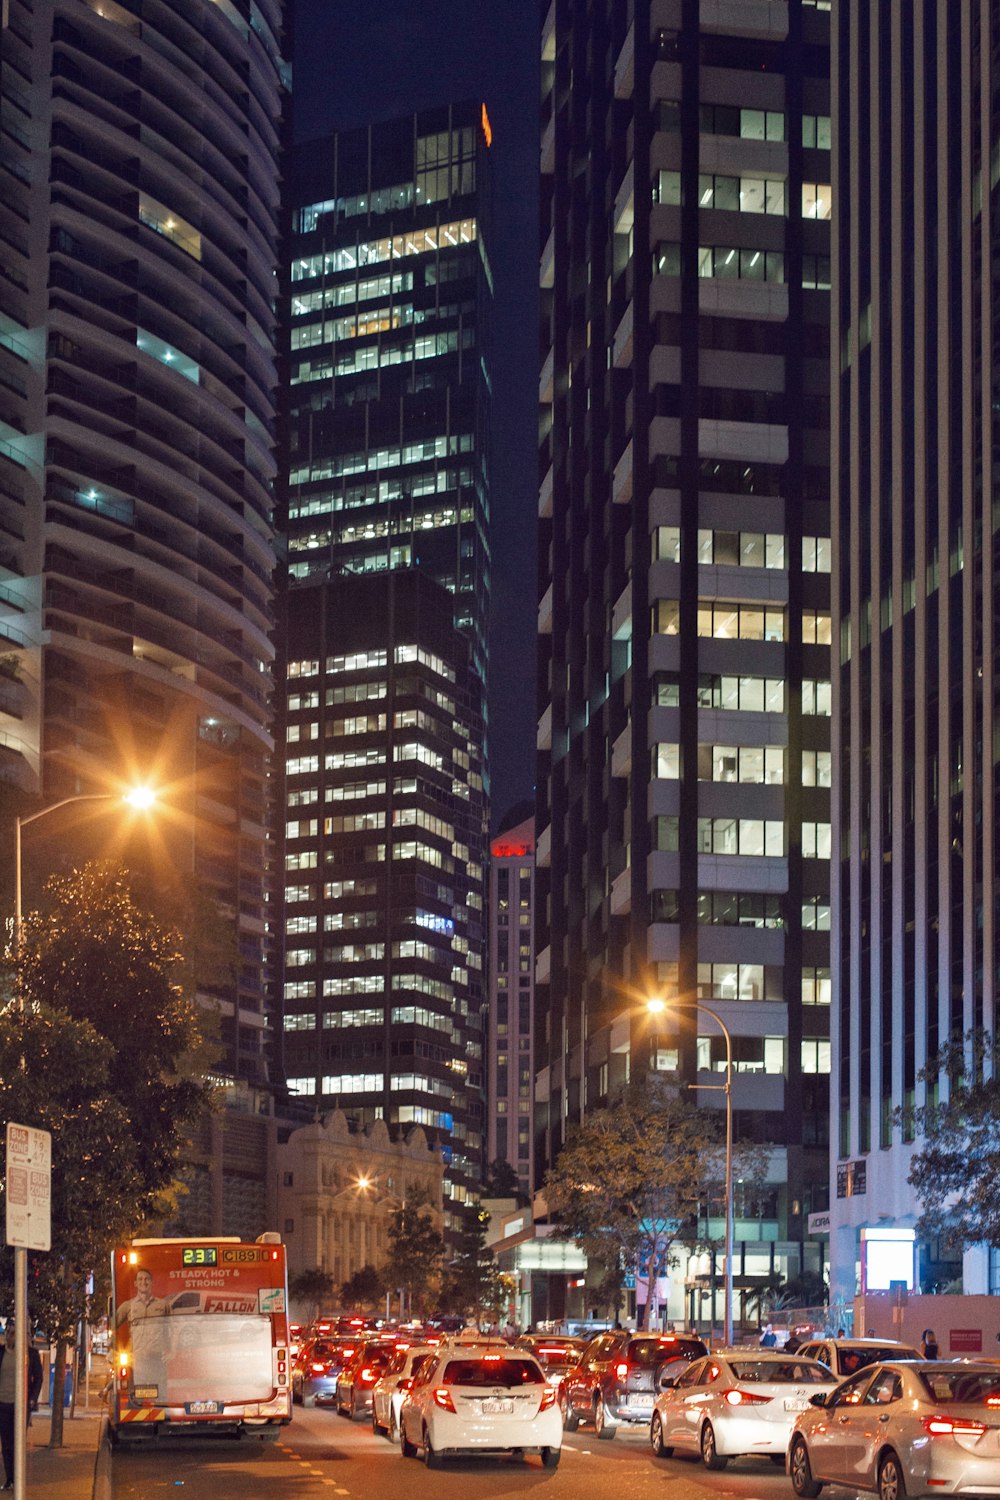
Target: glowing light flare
142, 798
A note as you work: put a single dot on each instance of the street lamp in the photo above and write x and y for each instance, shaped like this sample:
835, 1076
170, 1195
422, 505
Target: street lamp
140, 798
656, 1006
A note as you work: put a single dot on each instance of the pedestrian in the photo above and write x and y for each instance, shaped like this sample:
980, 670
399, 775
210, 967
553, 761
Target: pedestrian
768, 1338
8, 1390
840, 1333
929, 1345
793, 1342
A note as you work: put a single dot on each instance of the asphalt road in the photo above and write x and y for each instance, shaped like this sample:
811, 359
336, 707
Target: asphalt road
321, 1455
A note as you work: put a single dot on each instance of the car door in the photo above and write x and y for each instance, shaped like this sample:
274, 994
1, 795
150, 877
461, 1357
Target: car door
836, 1442
682, 1406
581, 1378
872, 1419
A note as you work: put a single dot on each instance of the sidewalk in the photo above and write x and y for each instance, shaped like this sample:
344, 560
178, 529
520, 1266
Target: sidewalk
66, 1473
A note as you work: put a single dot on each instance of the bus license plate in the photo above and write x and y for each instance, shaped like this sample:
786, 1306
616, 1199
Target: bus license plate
203, 1408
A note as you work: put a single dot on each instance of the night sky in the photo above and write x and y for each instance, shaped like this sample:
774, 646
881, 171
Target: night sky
357, 61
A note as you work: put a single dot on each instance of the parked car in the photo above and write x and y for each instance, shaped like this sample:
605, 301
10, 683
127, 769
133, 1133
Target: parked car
735, 1402
393, 1384
556, 1353
903, 1429
469, 1401
357, 1378
617, 1375
316, 1367
847, 1356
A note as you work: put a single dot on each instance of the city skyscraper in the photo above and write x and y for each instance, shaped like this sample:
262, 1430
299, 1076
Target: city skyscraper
915, 521
387, 607
510, 1053
684, 824
139, 219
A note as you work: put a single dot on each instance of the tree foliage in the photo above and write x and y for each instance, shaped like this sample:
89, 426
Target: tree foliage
633, 1179
472, 1282
310, 1288
417, 1250
96, 955
956, 1171
364, 1288
501, 1181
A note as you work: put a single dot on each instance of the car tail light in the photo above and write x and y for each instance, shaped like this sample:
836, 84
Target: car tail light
442, 1398
318, 1369
745, 1398
548, 1398
368, 1376
621, 1371
953, 1427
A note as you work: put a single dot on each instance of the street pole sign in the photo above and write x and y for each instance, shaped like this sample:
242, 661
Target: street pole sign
29, 1187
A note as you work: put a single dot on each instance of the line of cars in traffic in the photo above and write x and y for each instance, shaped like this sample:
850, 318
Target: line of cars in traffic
866, 1413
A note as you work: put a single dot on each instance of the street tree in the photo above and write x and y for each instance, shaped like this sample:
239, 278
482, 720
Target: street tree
633, 1181
309, 1289
956, 1170
54, 1075
500, 1181
417, 1250
364, 1288
472, 1282
95, 954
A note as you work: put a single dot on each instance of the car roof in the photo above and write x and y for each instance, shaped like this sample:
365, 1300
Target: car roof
860, 1343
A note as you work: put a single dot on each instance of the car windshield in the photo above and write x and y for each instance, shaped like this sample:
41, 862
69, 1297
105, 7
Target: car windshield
506, 1372
963, 1387
780, 1372
652, 1352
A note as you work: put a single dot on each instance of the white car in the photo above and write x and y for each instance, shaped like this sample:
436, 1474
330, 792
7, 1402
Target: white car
735, 1402
393, 1384
470, 1401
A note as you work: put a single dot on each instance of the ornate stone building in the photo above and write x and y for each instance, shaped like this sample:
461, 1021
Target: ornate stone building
337, 1189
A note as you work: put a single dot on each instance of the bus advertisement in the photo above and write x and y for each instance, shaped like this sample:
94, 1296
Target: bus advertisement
200, 1337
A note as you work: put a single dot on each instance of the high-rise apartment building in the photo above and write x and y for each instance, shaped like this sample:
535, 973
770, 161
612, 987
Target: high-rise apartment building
684, 818
384, 709
510, 1053
915, 537
138, 221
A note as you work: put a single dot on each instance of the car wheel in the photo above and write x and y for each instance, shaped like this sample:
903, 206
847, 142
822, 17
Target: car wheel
602, 1426
550, 1458
660, 1450
297, 1395
570, 1419
392, 1431
890, 1479
431, 1459
407, 1448
377, 1427
803, 1482
710, 1455
352, 1407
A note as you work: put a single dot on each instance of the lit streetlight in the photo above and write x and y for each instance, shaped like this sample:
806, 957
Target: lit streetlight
141, 799
657, 1006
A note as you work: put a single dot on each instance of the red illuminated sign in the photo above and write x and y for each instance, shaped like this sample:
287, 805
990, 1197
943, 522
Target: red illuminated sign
510, 851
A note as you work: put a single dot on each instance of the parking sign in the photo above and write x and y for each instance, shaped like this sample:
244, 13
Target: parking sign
29, 1187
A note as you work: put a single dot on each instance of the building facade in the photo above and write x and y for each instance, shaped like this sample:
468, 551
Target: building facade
338, 1187
684, 818
139, 220
388, 594
915, 523
383, 853
389, 362
510, 1054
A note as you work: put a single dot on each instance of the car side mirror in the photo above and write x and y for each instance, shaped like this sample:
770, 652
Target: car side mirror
819, 1399
667, 1382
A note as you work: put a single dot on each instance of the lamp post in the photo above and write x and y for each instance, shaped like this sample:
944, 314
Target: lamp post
657, 1006
140, 798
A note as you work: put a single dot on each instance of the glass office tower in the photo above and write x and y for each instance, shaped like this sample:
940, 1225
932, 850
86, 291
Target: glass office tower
388, 598
684, 821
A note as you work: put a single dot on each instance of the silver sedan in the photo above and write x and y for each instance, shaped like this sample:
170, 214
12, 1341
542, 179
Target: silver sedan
922, 1428
734, 1402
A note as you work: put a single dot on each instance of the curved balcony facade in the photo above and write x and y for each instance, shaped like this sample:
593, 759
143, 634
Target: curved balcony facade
139, 228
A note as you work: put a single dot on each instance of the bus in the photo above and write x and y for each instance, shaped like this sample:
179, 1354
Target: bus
199, 1338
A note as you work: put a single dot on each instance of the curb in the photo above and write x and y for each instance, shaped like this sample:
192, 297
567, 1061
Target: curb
102, 1465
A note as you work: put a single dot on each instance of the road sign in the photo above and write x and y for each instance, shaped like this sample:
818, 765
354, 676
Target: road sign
29, 1187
